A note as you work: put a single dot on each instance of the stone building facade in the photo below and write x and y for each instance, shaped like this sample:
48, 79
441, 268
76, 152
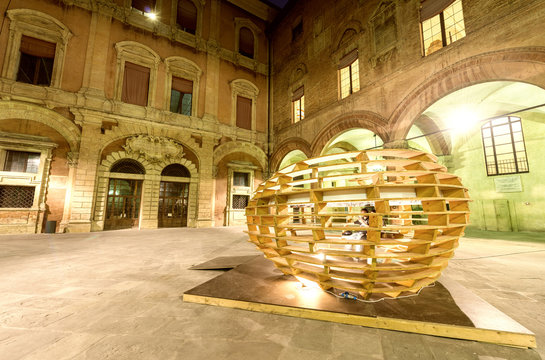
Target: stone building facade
401, 76
228, 90
108, 157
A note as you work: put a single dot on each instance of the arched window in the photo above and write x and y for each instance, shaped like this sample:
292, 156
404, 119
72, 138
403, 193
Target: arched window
128, 166
175, 170
186, 16
246, 42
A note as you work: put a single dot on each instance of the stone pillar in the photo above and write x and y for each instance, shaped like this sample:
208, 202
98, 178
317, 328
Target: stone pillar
212, 66
83, 190
205, 212
72, 165
96, 63
150, 201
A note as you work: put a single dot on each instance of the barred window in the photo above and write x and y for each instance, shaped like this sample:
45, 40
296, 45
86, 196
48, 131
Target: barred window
17, 196
240, 201
22, 161
504, 149
442, 24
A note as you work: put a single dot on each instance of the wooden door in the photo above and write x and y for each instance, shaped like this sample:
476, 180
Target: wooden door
123, 204
173, 200
503, 215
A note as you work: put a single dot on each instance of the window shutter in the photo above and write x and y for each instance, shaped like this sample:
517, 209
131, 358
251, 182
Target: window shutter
182, 85
297, 94
244, 113
348, 59
430, 8
36, 47
135, 84
246, 42
187, 16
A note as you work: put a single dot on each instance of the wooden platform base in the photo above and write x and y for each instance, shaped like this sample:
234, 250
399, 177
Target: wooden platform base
447, 309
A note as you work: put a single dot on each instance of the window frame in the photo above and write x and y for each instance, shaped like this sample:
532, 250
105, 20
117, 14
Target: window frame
256, 31
187, 36
25, 165
181, 67
351, 66
489, 125
444, 40
298, 99
138, 54
246, 89
40, 26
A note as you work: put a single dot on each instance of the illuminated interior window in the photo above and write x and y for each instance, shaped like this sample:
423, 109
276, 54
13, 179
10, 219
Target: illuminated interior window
298, 101
442, 28
504, 149
350, 79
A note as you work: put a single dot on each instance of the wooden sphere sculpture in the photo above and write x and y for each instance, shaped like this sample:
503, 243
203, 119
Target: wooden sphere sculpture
308, 219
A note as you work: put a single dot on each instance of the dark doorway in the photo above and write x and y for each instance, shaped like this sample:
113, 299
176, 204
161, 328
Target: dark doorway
173, 201
123, 204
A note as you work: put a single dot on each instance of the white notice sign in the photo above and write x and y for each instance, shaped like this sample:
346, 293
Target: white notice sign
507, 184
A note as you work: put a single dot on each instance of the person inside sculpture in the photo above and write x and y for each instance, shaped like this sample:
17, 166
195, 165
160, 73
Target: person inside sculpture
363, 219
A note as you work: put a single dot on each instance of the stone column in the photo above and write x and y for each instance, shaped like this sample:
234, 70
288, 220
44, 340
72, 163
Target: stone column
83, 190
72, 165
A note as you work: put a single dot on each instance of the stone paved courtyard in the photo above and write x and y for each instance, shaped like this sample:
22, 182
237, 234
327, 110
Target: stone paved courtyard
117, 295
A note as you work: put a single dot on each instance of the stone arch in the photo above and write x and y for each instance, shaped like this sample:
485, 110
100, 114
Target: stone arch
360, 119
287, 146
299, 73
233, 146
517, 64
65, 127
152, 179
125, 130
349, 32
439, 143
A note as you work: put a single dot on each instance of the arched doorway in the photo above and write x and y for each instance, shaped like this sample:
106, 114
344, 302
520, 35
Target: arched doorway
174, 196
124, 198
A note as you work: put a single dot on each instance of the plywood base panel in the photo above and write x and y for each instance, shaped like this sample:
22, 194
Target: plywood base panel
446, 309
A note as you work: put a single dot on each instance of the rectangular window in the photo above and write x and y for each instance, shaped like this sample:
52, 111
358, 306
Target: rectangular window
145, 6
298, 100
36, 63
17, 196
241, 179
186, 17
504, 149
442, 24
135, 84
181, 96
244, 113
21, 161
240, 201
349, 74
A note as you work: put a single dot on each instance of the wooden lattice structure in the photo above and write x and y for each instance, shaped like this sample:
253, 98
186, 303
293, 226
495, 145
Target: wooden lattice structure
301, 219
